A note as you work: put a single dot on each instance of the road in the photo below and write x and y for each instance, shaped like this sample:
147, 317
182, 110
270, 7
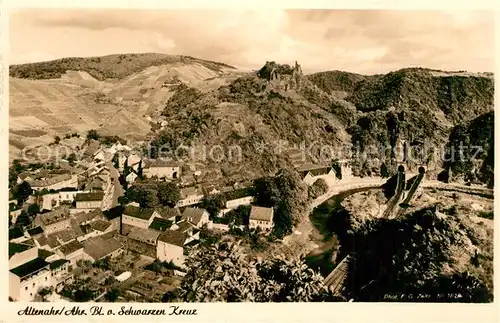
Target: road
335, 280
299, 243
117, 187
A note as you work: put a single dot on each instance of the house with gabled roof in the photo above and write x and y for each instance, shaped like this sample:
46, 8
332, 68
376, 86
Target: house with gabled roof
47, 242
189, 229
197, 216
139, 217
28, 272
16, 234
168, 213
88, 201
99, 248
170, 247
310, 172
72, 251
56, 220
131, 177
238, 197
56, 182
162, 169
209, 190
261, 217
190, 196
161, 224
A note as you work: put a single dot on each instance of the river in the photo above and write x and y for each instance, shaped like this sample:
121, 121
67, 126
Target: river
325, 256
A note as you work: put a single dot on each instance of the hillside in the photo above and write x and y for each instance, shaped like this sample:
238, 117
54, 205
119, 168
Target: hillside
75, 95
414, 107
476, 166
106, 67
187, 101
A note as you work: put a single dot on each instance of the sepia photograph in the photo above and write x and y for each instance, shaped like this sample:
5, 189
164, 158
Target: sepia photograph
271, 155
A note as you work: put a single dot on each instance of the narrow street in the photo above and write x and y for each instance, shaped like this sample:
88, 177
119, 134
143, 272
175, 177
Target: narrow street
117, 188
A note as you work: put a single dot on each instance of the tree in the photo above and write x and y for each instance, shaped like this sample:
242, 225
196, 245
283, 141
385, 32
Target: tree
168, 193
16, 165
318, 188
384, 172
213, 204
22, 192
139, 170
286, 194
57, 139
83, 294
266, 191
337, 169
72, 159
112, 295
170, 297
12, 177
223, 273
116, 161
126, 168
33, 209
149, 199
92, 134
44, 292
123, 200
239, 216
405, 256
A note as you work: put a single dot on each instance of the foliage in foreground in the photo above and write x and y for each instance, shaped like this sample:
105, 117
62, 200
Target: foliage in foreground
223, 273
424, 255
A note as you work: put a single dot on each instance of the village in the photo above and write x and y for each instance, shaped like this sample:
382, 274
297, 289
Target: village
116, 226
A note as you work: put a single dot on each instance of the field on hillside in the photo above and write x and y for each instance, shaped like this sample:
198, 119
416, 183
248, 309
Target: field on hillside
77, 102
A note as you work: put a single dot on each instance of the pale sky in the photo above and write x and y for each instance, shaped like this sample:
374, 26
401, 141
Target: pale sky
365, 42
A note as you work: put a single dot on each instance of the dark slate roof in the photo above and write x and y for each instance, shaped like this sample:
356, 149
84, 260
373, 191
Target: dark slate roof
17, 248
58, 263
113, 213
94, 196
35, 231
137, 212
30, 267
175, 238
160, 224
15, 233
71, 247
192, 243
44, 254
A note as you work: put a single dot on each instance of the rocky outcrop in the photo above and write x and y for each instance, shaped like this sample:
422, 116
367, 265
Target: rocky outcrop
281, 77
